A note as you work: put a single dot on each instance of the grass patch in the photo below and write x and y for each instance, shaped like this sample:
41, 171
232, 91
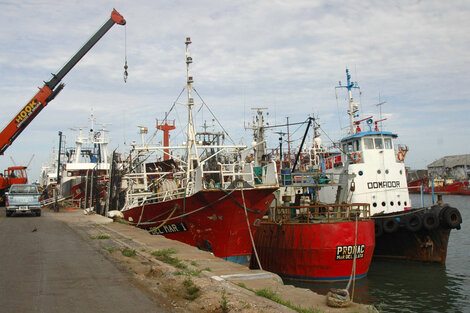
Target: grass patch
243, 286
121, 221
192, 291
165, 256
207, 269
194, 272
245, 304
109, 249
224, 303
164, 252
187, 273
143, 249
194, 263
102, 236
128, 252
269, 294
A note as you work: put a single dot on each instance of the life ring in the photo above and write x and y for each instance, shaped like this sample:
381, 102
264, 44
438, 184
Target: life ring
430, 221
401, 155
413, 222
390, 225
356, 157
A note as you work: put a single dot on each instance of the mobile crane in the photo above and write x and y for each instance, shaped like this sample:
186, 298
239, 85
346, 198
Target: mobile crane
51, 88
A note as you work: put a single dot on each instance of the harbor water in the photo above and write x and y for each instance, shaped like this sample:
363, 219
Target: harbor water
404, 286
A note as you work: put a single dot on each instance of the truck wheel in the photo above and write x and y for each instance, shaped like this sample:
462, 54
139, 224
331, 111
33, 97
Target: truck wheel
38, 213
8, 213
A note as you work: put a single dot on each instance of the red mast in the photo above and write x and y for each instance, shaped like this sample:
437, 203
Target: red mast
163, 125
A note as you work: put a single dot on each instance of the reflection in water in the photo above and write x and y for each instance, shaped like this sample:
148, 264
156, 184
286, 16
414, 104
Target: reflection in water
401, 286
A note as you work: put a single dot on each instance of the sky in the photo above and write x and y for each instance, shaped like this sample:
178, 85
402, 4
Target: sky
286, 56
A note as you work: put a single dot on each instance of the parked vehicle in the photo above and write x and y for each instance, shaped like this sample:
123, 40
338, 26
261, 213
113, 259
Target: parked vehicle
23, 198
13, 175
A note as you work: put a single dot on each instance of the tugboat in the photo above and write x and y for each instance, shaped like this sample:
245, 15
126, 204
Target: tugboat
304, 239
209, 197
380, 179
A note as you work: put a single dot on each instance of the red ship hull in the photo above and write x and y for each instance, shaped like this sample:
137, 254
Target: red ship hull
455, 188
212, 220
315, 252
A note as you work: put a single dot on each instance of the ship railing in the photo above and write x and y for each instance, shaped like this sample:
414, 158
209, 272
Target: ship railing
147, 197
308, 179
320, 213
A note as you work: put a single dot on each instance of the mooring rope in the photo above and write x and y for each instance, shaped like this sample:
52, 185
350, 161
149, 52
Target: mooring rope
249, 229
165, 221
408, 212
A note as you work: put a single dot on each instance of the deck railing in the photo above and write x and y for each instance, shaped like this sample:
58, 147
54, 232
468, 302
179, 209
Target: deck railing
321, 213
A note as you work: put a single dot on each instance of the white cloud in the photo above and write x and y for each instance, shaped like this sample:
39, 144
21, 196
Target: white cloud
284, 55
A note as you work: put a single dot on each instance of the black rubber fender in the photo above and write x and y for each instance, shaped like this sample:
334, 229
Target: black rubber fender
390, 225
430, 220
379, 229
452, 217
413, 222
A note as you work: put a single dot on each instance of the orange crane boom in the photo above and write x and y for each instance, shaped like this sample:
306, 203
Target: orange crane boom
51, 88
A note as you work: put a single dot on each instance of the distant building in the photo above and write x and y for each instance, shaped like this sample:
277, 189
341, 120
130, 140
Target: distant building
456, 166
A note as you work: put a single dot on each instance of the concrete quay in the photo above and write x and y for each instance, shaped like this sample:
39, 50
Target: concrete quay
224, 286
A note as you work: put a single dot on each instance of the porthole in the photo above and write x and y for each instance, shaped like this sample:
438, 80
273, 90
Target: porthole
361, 173
401, 172
379, 171
374, 204
391, 203
399, 203
384, 204
405, 203
386, 172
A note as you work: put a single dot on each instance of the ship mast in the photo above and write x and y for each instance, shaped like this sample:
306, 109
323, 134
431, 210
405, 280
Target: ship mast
353, 106
192, 153
258, 136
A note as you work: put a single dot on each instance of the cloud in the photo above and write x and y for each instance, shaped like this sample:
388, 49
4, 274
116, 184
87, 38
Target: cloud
284, 55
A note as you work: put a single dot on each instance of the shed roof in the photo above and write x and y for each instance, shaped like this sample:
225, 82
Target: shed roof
451, 161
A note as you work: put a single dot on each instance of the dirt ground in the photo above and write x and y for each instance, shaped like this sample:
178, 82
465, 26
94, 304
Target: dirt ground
168, 285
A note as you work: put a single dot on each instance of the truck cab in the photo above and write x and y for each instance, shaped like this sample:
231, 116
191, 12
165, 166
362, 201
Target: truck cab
23, 198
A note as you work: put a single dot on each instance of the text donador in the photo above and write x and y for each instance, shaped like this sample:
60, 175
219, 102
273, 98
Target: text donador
383, 184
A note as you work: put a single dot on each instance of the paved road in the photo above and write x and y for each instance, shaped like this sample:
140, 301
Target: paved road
54, 270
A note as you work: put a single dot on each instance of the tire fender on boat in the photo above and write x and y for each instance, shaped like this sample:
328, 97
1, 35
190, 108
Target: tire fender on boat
430, 221
390, 225
452, 217
413, 222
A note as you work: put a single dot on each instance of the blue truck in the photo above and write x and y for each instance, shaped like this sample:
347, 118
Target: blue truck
23, 198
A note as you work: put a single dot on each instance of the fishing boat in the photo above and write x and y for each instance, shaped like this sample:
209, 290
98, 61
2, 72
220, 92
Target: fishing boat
206, 195
86, 166
303, 238
48, 175
442, 186
377, 165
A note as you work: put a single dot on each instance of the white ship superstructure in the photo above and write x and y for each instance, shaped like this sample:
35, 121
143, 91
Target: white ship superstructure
90, 154
375, 160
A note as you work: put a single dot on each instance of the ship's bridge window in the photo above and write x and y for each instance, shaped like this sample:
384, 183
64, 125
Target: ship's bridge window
368, 143
352, 146
388, 143
379, 144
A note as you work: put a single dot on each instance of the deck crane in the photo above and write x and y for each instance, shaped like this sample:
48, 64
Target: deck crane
51, 88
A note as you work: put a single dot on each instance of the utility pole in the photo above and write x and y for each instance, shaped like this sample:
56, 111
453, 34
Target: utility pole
56, 204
